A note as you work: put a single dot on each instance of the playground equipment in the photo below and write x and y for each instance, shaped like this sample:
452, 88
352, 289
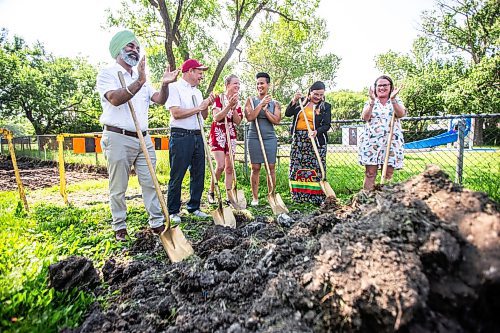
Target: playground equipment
444, 138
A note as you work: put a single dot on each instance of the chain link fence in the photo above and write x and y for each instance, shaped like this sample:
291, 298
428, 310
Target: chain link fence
467, 147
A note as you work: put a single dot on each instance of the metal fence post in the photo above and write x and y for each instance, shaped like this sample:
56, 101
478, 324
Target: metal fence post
461, 145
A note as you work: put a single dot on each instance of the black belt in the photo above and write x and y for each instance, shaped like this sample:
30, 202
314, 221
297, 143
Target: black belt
122, 131
185, 131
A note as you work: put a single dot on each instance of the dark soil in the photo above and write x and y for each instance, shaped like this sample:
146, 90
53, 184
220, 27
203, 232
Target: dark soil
420, 256
73, 272
36, 174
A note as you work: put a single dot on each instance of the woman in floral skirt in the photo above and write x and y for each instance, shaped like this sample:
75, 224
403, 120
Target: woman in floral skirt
305, 172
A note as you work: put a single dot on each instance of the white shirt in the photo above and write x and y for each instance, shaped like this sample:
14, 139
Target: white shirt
119, 116
181, 95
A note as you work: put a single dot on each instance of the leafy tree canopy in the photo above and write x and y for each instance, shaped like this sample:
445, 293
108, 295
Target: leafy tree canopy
54, 94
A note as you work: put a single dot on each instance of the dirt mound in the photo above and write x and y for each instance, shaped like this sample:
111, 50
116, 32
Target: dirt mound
421, 256
73, 272
37, 173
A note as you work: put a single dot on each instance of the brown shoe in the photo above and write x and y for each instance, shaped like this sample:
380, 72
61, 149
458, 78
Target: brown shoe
121, 235
158, 230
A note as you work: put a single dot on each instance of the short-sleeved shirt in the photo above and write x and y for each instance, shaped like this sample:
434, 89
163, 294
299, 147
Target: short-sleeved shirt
119, 116
181, 95
218, 136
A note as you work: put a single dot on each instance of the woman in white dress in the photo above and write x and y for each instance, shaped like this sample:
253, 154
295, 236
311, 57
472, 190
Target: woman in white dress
377, 114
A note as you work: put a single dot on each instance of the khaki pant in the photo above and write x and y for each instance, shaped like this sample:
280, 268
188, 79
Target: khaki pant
122, 152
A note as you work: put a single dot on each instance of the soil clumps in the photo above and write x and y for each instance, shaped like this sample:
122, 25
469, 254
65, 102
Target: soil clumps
420, 256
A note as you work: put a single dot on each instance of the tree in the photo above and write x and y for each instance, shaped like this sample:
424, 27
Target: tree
291, 53
187, 28
473, 27
54, 94
424, 76
470, 26
346, 104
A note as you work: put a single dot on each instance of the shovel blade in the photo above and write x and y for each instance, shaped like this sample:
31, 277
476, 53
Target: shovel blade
224, 217
327, 189
175, 244
237, 199
242, 201
277, 205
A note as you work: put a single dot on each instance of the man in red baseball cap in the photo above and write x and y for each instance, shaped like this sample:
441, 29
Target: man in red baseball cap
186, 144
192, 63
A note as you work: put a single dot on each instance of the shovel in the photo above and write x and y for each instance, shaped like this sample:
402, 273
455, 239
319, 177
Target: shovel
277, 205
174, 242
325, 186
388, 149
222, 215
236, 197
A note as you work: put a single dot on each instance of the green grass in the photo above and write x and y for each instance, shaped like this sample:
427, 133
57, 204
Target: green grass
48, 233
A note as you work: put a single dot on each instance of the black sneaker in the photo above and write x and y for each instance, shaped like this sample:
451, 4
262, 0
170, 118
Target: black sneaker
121, 235
158, 230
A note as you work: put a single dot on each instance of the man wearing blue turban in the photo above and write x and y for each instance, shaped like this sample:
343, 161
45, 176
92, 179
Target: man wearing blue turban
120, 143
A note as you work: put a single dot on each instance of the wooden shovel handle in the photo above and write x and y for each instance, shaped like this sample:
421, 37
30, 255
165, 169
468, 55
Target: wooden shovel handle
388, 149
208, 156
313, 142
161, 198
229, 146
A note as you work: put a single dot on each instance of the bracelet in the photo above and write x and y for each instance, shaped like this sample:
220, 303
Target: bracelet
126, 88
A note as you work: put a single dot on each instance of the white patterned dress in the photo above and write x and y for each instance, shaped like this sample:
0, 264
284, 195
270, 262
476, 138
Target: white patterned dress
373, 139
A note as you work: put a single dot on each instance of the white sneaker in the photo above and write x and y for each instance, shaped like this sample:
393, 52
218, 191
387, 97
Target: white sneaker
175, 218
255, 202
200, 214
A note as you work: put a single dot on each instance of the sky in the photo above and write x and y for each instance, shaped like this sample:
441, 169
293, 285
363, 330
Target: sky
359, 30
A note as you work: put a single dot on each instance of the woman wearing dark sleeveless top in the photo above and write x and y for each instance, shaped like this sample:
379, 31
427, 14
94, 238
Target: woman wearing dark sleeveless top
268, 114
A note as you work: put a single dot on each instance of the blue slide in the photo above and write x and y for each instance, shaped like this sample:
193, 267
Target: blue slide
441, 139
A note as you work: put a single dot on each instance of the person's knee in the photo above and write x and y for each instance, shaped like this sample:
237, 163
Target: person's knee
229, 170
255, 168
389, 173
220, 169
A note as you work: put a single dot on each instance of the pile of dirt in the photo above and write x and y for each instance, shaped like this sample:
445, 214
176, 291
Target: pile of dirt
421, 256
36, 173
73, 272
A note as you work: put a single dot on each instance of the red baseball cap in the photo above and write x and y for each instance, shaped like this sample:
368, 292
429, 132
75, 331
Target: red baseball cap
192, 63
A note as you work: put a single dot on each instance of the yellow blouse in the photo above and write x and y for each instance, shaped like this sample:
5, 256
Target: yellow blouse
301, 124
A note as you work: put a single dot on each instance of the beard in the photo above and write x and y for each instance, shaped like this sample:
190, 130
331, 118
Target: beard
129, 58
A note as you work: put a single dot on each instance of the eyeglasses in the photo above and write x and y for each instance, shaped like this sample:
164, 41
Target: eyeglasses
383, 85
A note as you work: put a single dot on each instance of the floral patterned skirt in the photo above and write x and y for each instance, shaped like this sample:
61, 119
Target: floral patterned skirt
305, 172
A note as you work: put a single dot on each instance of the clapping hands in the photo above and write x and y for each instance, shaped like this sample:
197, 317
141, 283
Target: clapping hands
170, 76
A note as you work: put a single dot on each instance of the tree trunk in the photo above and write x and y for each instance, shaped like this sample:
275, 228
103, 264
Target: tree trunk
478, 131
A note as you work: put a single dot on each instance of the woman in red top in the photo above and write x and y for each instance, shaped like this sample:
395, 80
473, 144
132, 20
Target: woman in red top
225, 105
